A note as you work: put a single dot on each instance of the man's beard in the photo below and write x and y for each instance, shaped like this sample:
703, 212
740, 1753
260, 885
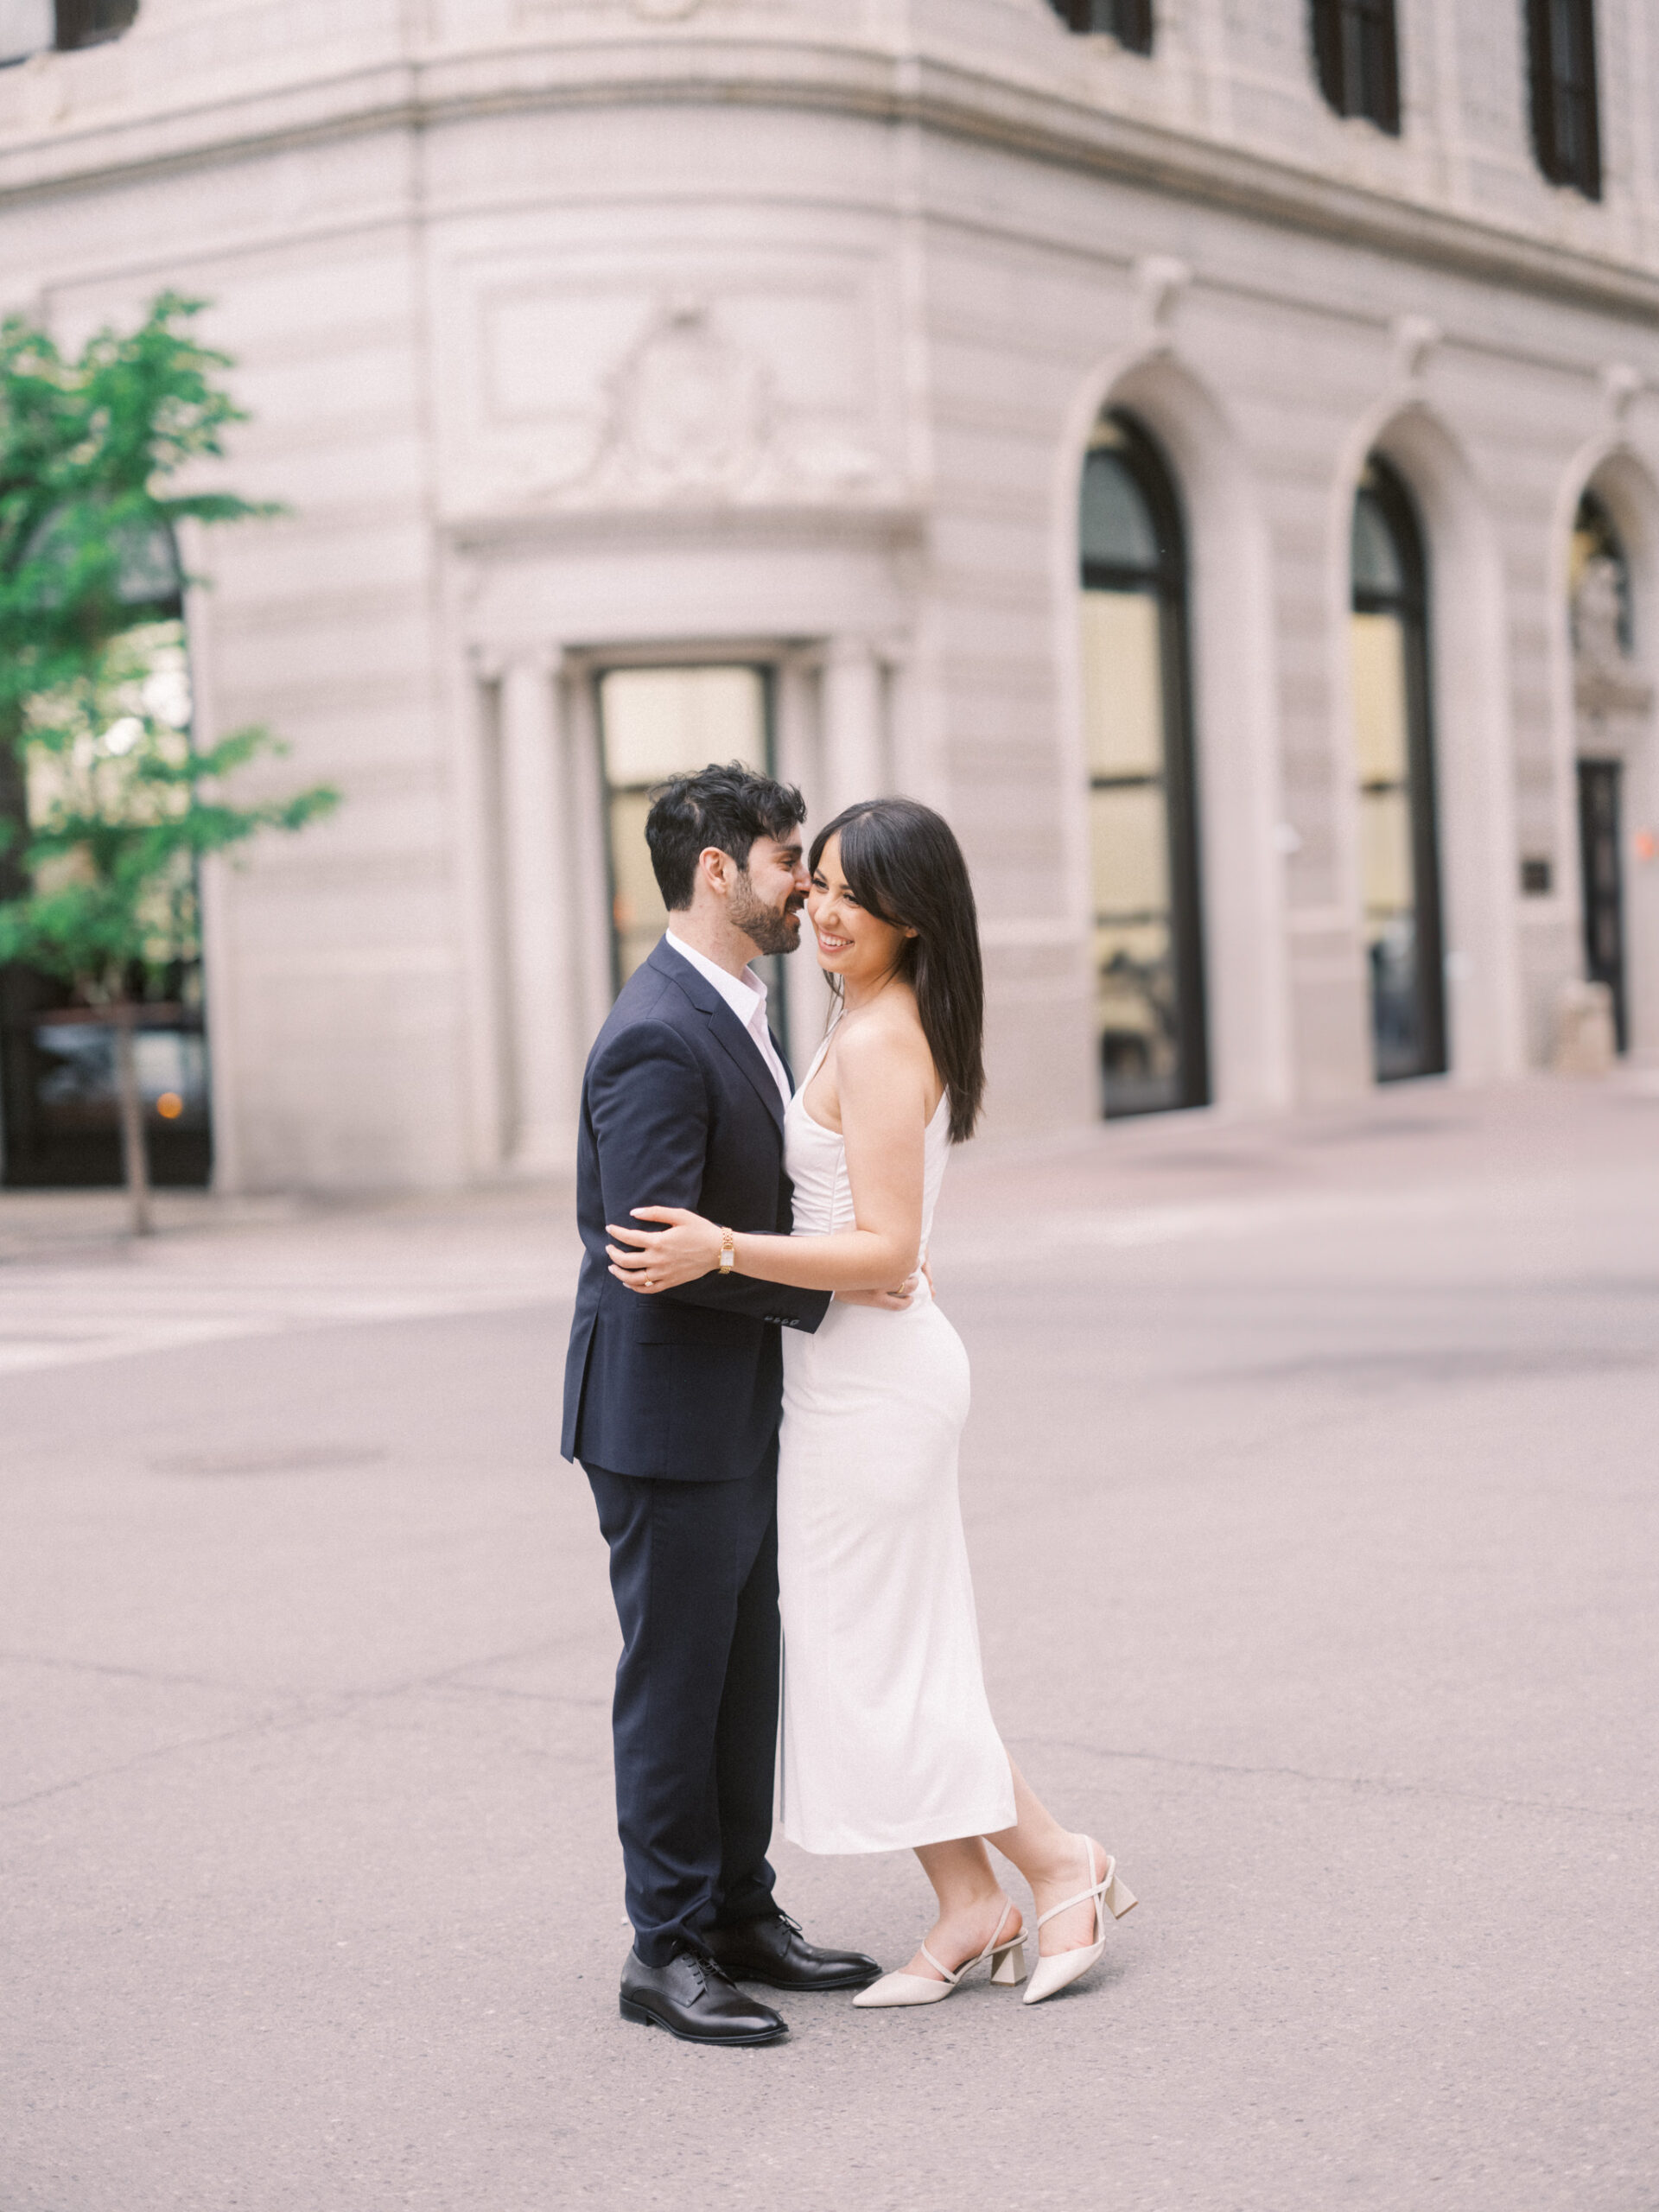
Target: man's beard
770, 928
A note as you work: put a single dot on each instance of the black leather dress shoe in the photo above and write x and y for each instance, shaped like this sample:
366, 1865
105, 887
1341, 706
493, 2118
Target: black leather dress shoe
693, 1999
773, 1950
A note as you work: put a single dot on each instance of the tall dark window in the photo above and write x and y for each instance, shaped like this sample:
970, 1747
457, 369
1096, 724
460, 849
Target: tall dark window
1149, 1011
1566, 133
1399, 856
36, 26
1356, 55
1599, 583
90, 22
1129, 22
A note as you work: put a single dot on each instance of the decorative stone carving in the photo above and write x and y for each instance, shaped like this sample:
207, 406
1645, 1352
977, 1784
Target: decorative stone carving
689, 416
1596, 611
1613, 694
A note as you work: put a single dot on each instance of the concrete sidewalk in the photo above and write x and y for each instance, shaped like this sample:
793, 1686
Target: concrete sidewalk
1310, 1489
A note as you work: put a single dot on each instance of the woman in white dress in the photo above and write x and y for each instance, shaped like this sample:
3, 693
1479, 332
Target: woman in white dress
888, 1740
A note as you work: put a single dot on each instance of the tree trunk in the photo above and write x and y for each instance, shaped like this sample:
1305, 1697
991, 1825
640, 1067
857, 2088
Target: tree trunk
134, 1163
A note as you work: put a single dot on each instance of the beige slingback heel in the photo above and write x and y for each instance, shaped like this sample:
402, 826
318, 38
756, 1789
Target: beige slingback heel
1008, 1966
1060, 1969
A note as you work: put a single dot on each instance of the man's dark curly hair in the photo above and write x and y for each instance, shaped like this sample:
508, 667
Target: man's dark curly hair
726, 807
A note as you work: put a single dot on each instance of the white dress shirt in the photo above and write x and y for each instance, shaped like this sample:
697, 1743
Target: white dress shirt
746, 994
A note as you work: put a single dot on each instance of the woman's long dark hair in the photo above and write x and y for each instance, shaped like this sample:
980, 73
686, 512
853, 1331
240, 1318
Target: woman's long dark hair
903, 864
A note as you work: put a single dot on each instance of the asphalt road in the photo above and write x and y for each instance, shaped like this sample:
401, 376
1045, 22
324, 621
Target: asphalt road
1311, 1489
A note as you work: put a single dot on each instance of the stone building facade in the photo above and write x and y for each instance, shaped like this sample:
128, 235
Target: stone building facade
1180, 482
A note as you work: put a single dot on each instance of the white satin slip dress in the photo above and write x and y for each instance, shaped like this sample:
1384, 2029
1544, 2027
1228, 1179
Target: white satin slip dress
887, 1737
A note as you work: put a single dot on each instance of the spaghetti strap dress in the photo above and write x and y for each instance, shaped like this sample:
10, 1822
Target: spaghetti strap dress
887, 1736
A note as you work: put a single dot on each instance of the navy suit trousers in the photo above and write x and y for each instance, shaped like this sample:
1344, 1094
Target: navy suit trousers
694, 1571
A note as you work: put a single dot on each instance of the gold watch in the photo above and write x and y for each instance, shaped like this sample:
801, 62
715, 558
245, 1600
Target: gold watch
727, 1252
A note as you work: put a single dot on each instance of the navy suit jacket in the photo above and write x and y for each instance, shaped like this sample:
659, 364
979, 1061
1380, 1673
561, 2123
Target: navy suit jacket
678, 1109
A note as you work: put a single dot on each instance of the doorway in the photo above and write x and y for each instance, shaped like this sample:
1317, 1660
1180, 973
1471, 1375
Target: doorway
655, 722
1600, 853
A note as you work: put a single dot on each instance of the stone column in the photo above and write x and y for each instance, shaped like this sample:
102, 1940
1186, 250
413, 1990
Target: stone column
535, 848
855, 736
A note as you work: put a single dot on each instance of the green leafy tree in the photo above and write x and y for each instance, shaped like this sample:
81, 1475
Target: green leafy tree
106, 808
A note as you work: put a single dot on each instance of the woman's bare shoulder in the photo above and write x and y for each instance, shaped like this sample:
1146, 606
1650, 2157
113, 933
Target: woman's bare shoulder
885, 1040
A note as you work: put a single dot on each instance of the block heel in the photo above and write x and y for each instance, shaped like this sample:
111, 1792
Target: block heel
1108, 1895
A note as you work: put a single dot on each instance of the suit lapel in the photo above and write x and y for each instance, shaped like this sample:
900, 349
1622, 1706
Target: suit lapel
727, 1030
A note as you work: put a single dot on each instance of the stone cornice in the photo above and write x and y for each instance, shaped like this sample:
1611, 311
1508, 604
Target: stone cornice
921, 91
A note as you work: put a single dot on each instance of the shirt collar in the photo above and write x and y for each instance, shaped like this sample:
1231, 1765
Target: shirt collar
745, 993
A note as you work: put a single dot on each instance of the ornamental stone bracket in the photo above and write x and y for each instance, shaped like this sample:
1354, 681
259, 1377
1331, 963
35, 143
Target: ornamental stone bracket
1415, 339
1160, 284
1621, 385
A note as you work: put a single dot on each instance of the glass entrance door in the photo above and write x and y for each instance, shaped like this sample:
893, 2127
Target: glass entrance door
1604, 884
658, 722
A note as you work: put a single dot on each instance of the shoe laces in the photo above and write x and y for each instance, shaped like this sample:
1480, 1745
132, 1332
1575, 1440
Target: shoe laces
707, 1968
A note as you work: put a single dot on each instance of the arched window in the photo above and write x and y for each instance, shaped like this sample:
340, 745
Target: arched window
1565, 128
1129, 22
1150, 1012
1357, 58
1398, 839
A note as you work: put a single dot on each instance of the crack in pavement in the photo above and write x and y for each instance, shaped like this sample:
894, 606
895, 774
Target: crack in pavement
301, 1712
134, 1674
1367, 1782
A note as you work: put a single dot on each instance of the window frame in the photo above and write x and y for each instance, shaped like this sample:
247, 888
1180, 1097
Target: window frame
1566, 156
35, 1154
1356, 60
1168, 580
1409, 607
1132, 22
622, 663
75, 28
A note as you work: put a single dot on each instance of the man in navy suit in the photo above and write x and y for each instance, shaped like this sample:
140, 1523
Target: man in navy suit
672, 1403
